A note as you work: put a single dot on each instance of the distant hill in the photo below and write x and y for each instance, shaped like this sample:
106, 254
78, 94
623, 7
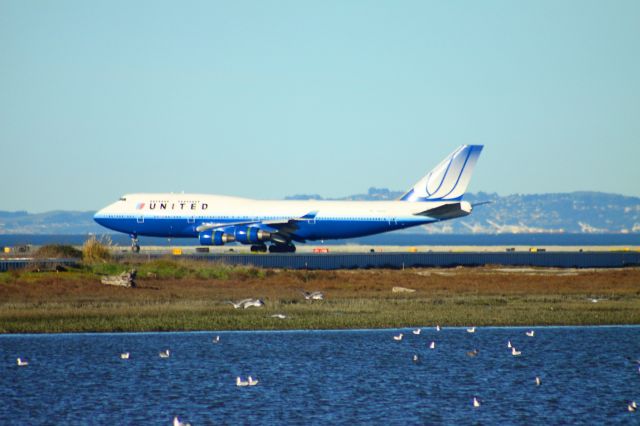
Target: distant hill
574, 212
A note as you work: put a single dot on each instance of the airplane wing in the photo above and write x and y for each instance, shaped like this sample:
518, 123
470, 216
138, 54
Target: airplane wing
284, 227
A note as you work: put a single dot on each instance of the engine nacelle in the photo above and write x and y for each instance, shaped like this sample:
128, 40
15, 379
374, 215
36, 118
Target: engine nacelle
251, 235
215, 238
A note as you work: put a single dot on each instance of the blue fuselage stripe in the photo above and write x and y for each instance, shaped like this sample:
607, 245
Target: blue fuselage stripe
325, 229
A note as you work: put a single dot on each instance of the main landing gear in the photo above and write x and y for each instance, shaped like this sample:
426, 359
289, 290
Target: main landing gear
259, 248
282, 248
135, 247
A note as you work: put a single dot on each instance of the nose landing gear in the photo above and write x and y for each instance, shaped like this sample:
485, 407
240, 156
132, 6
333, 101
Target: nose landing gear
135, 247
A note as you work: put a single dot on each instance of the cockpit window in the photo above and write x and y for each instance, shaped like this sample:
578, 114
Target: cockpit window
123, 198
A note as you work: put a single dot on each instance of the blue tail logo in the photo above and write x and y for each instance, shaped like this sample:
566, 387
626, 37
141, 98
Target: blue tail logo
448, 181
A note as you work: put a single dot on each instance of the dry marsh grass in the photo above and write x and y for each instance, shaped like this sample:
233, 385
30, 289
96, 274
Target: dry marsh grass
183, 295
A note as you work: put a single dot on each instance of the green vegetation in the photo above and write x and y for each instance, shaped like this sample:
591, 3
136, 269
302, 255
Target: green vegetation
178, 294
59, 251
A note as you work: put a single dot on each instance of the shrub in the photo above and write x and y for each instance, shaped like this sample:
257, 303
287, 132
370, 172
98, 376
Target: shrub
96, 250
58, 250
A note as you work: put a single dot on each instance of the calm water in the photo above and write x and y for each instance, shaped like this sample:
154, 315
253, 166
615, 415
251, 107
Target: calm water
328, 377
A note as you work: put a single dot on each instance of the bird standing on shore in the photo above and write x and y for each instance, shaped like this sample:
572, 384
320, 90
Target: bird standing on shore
313, 295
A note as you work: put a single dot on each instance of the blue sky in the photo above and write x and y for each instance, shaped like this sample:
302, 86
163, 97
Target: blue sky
267, 99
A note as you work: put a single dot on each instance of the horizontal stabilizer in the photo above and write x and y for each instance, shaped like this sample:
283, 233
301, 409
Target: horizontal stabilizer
448, 211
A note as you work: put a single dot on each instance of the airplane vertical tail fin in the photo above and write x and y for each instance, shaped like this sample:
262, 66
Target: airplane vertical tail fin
448, 181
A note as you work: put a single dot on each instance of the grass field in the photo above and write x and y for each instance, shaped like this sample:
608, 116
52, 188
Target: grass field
183, 295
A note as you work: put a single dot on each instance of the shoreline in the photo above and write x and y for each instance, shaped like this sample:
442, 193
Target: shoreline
181, 297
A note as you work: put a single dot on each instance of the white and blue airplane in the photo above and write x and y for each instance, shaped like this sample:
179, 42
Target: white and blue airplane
218, 219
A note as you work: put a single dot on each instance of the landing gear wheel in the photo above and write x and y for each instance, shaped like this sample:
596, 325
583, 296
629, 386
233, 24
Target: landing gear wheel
259, 248
282, 248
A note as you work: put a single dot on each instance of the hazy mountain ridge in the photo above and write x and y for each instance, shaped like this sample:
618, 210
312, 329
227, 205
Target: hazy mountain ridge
575, 212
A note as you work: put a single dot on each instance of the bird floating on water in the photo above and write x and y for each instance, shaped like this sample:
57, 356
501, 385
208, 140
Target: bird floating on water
124, 355
280, 316
437, 327
165, 354
398, 337
515, 352
313, 295
177, 422
538, 381
530, 333
473, 353
632, 406
216, 339
21, 362
248, 382
476, 403
416, 358
417, 331
471, 330
509, 344
432, 345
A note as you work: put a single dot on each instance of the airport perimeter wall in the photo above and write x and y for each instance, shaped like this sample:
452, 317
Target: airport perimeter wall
328, 261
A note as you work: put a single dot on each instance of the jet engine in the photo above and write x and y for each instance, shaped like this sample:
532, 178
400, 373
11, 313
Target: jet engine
251, 235
215, 238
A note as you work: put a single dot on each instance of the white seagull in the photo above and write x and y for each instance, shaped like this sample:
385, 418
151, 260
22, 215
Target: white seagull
509, 344
437, 327
165, 354
240, 382
253, 302
632, 406
530, 333
313, 295
281, 316
538, 381
417, 331
124, 355
177, 422
216, 339
476, 403
251, 381
514, 352
471, 330
21, 362
416, 358
432, 345
398, 337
